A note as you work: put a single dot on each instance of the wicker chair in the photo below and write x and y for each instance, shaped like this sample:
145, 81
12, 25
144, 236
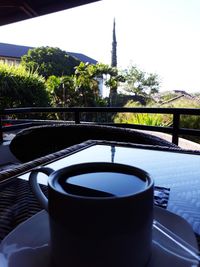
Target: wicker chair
39, 141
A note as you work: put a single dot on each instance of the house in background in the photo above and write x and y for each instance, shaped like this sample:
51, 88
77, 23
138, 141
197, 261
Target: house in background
11, 54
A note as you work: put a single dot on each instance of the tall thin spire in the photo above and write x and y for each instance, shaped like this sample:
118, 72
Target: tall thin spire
114, 48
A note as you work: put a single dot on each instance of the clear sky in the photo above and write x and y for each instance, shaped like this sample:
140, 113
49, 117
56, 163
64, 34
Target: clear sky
159, 36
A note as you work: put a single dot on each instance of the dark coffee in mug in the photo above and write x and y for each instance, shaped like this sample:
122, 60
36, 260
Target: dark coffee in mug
100, 214
101, 184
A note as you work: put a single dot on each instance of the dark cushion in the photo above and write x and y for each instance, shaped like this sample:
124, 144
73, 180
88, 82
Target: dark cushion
39, 141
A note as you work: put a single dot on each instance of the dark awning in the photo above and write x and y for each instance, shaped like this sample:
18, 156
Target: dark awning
17, 10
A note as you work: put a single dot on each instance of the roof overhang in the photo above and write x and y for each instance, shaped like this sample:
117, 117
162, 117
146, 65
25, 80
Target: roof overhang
16, 10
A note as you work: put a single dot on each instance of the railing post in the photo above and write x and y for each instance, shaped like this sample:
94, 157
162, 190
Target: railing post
176, 121
77, 117
1, 131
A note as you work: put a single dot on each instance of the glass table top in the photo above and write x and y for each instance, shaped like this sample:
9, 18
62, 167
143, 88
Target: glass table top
178, 171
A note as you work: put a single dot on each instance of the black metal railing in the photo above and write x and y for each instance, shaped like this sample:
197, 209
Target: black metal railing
174, 129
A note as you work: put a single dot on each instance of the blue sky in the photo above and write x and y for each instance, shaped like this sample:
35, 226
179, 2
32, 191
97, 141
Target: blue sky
159, 36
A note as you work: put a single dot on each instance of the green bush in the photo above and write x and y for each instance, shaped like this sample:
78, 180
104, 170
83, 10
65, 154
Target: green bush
187, 121
142, 118
21, 88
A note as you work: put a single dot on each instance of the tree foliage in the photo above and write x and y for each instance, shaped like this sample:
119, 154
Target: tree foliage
87, 77
86, 85
141, 83
49, 61
62, 91
82, 88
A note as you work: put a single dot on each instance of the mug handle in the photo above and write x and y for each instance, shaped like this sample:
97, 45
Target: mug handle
35, 186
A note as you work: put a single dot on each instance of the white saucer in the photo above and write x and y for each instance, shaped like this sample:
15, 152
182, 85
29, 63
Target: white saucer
28, 244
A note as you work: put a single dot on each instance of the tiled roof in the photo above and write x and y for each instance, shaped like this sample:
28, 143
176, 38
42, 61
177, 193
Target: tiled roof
82, 57
11, 50
17, 51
